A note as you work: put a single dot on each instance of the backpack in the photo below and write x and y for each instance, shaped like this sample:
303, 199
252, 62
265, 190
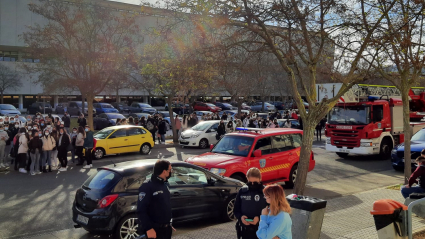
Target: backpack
149, 126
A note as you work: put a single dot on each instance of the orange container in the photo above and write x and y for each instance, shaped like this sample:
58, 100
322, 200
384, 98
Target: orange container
386, 207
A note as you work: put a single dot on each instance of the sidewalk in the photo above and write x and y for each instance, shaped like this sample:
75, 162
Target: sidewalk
346, 217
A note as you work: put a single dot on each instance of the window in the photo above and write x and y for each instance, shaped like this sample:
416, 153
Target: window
378, 113
187, 176
134, 182
103, 180
282, 143
119, 133
135, 131
214, 126
265, 145
297, 139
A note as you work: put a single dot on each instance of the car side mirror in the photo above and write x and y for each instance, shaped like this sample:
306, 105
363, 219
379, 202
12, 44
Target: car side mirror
212, 181
257, 153
211, 146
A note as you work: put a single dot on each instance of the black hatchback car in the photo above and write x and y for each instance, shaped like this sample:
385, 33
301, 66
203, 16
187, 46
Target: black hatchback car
107, 201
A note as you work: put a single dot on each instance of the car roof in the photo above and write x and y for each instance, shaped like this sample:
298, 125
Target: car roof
266, 132
124, 126
130, 167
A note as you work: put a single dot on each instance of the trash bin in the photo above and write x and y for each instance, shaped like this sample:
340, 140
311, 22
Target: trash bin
390, 219
307, 216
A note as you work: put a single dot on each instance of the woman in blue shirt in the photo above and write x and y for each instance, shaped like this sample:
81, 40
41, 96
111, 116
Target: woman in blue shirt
275, 221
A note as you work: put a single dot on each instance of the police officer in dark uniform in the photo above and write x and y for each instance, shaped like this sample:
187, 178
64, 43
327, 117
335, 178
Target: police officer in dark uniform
249, 203
154, 204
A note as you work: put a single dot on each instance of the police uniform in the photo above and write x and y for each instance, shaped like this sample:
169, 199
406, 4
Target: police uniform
154, 208
249, 202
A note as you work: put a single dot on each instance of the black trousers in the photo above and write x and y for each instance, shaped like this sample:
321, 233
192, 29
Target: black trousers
246, 232
163, 232
22, 158
319, 133
88, 155
79, 153
62, 158
153, 135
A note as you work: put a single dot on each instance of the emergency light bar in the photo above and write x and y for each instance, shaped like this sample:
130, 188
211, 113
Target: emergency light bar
249, 129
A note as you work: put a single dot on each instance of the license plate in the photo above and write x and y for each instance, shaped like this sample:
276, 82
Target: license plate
183, 141
83, 219
344, 150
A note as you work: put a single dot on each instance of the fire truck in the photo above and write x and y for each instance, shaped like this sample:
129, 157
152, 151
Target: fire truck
367, 120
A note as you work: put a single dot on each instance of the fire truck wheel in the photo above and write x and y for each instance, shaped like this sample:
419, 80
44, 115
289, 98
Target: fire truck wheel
386, 147
342, 155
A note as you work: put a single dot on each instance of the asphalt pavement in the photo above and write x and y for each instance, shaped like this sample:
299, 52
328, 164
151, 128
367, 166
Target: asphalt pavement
41, 204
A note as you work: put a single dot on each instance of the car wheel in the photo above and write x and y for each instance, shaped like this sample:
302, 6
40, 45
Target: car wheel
99, 153
228, 213
342, 155
203, 144
145, 149
292, 177
127, 227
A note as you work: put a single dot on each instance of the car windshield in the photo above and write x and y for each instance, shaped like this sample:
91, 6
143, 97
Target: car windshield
202, 126
419, 136
116, 116
7, 107
80, 104
351, 115
210, 105
234, 145
106, 106
103, 133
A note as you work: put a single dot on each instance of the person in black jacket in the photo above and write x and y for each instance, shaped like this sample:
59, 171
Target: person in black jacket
63, 143
162, 130
154, 203
221, 130
82, 122
66, 121
151, 126
9, 130
35, 147
249, 203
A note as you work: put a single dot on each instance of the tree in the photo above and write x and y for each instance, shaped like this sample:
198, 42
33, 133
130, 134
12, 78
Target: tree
307, 39
9, 80
400, 43
83, 46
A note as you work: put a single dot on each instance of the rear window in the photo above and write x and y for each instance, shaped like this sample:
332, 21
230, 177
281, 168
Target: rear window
103, 180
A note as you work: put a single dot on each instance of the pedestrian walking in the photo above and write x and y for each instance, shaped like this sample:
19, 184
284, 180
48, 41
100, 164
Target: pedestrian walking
4, 137
154, 203
49, 144
275, 220
35, 146
249, 203
79, 145
63, 143
23, 150
162, 130
151, 126
319, 131
88, 146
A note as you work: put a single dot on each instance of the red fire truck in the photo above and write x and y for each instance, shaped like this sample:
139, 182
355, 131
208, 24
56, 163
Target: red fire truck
364, 123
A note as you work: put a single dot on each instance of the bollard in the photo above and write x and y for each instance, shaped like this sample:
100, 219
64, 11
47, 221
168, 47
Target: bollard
390, 219
307, 216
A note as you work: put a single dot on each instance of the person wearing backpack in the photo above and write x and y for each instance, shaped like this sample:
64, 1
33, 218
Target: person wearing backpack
48, 144
151, 127
162, 130
23, 150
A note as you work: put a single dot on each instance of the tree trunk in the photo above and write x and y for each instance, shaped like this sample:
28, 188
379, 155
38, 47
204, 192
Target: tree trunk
407, 131
305, 153
90, 99
173, 123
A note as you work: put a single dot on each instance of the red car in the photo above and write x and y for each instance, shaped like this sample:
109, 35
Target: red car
201, 106
275, 151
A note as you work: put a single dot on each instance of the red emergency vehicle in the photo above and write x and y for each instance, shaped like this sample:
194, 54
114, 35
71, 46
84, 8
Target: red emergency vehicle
275, 151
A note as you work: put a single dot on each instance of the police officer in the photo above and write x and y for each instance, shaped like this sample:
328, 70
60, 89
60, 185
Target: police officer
249, 203
154, 204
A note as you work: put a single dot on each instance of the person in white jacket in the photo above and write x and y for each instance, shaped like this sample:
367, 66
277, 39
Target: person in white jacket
48, 144
3, 138
23, 149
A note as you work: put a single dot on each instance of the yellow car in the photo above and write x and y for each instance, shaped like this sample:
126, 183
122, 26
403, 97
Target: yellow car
123, 139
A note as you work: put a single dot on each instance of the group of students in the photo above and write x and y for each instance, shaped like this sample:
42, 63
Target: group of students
36, 145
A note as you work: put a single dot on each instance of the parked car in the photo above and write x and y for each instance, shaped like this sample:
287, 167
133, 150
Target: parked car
137, 107
104, 108
201, 135
105, 120
61, 108
201, 106
257, 107
244, 106
8, 110
225, 106
274, 151
107, 201
121, 107
179, 108
150, 111
123, 139
278, 105
76, 108
294, 123
417, 144
40, 107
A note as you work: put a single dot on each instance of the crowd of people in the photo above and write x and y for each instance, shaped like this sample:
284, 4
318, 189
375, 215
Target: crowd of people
41, 144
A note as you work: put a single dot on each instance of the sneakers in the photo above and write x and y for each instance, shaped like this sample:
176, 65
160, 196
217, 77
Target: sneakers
22, 170
62, 169
32, 174
39, 172
88, 166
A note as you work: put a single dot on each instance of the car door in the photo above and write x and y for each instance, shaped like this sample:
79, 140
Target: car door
282, 153
191, 196
117, 141
266, 162
211, 133
136, 137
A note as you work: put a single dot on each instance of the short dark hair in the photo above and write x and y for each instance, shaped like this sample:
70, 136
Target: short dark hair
423, 151
160, 166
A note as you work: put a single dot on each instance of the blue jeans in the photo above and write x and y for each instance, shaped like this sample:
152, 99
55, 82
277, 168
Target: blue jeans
46, 158
407, 191
162, 137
